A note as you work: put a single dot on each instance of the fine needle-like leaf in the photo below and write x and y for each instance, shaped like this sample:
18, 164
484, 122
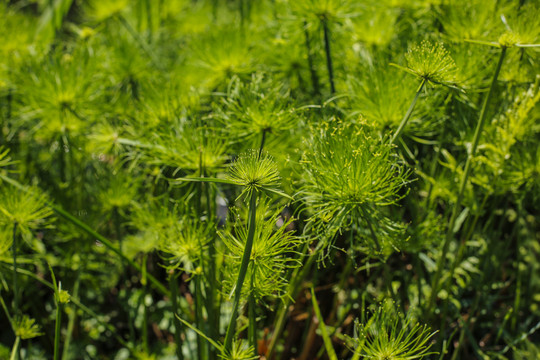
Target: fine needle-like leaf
324, 333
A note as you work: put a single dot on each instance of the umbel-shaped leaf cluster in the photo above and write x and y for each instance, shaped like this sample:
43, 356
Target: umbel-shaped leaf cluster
389, 335
274, 248
350, 176
251, 108
432, 63
254, 171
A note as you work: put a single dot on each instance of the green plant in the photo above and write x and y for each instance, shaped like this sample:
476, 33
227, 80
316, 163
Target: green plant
431, 64
387, 335
350, 176
215, 197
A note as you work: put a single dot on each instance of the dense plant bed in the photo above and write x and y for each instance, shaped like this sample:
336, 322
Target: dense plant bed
313, 179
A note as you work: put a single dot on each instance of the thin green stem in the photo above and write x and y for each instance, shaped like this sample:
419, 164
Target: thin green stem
243, 271
199, 315
203, 348
58, 322
263, 140
357, 354
311, 65
328, 52
15, 280
408, 113
322, 327
57, 330
6, 311
252, 329
15, 349
213, 313
71, 318
177, 327
457, 205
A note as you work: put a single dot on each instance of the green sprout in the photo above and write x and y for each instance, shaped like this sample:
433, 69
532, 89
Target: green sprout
386, 336
26, 327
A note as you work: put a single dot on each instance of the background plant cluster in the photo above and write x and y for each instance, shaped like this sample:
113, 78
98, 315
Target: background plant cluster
269, 179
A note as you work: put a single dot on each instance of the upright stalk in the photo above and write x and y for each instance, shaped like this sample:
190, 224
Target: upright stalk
177, 326
71, 317
58, 329
15, 349
252, 329
15, 284
213, 313
408, 113
201, 348
243, 270
59, 302
457, 205
263, 140
322, 327
311, 65
328, 52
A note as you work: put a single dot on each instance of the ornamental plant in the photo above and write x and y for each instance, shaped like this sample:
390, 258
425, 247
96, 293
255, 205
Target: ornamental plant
277, 179
351, 175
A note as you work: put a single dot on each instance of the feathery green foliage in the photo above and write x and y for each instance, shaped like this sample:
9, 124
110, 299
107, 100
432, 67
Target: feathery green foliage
273, 251
387, 335
432, 63
350, 176
205, 156
254, 172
